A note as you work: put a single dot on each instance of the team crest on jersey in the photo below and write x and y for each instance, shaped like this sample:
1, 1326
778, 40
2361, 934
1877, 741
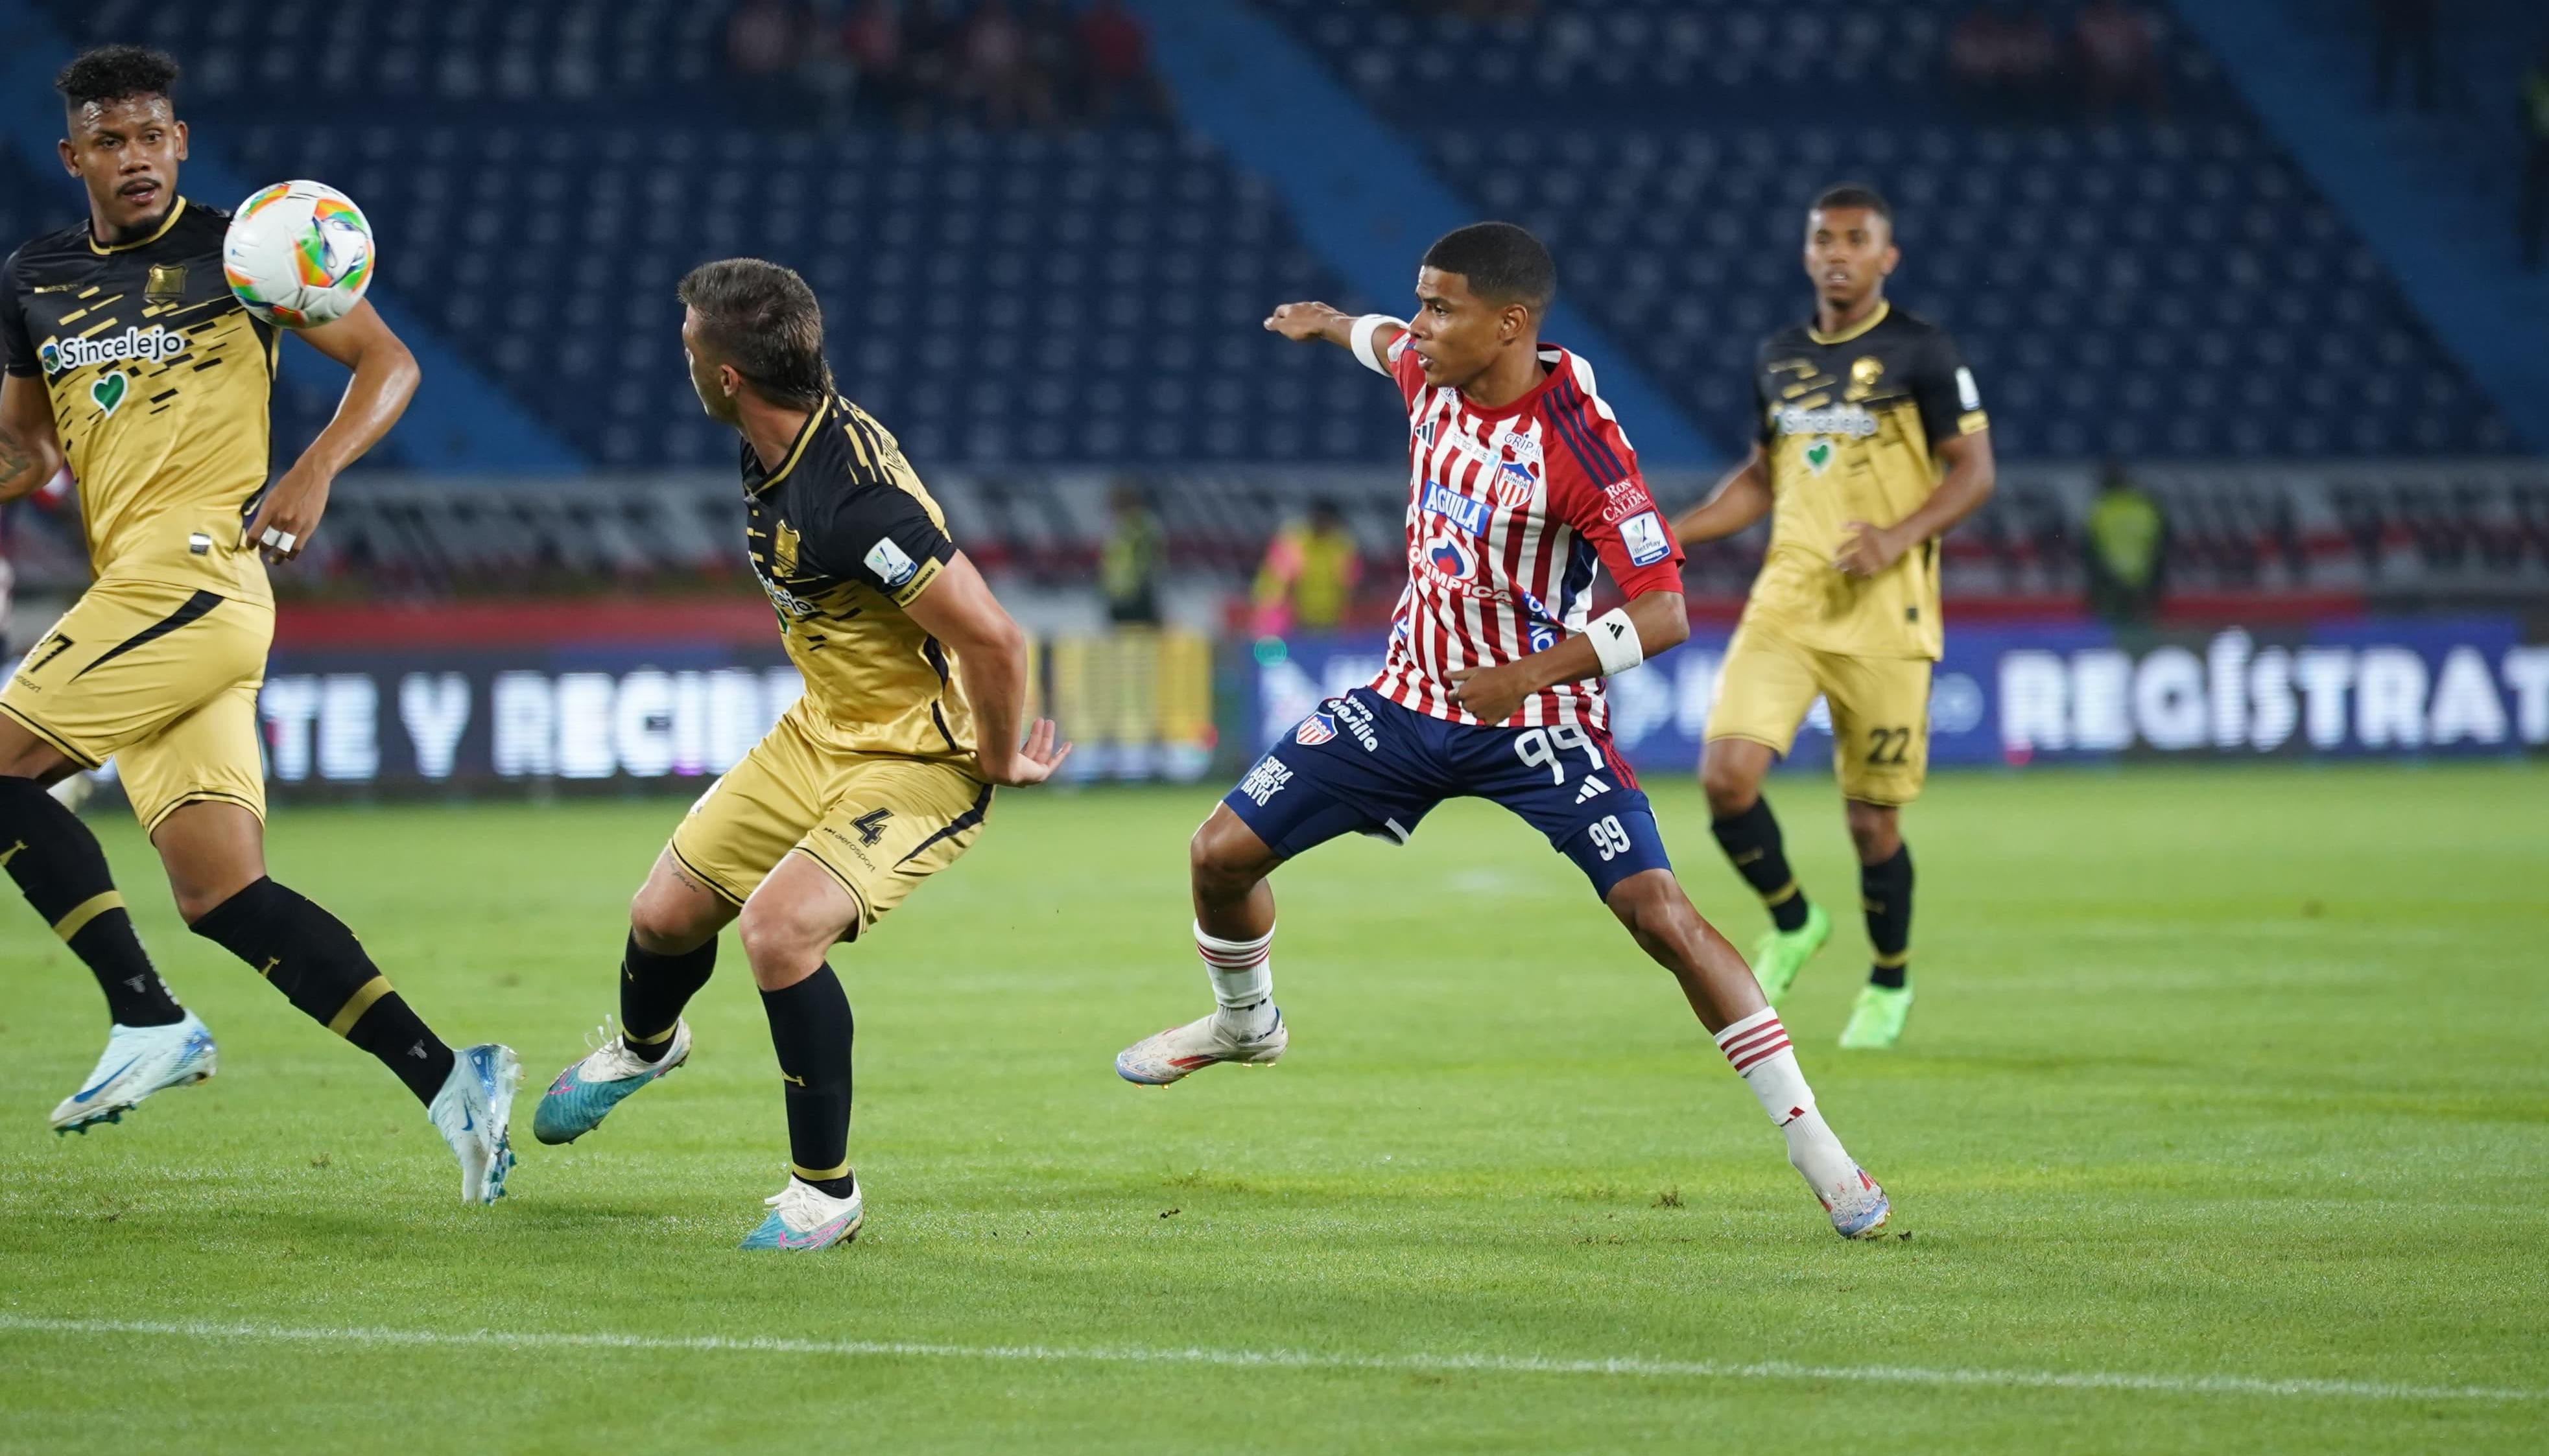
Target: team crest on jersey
1865, 372
783, 550
1516, 480
1316, 729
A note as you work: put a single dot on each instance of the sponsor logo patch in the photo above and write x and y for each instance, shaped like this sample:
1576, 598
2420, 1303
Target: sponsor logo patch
1460, 510
149, 346
1265, 780
891, 566
1646, 539
1852, 420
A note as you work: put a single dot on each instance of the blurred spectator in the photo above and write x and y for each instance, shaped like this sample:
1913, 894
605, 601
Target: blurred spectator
997, 71
933, 37
2534, 219
2403, 36
761, 39
1055, 53
2004, 57
762, 43
1115, 55
2118, 58
1134, 559
2127, 542
1309, 575
872, 39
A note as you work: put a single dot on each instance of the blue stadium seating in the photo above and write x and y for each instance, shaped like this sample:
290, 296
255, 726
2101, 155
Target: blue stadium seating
2173, 290
1092, 296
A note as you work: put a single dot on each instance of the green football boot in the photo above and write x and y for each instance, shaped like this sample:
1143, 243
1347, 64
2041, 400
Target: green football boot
1780, 953
1877, 1022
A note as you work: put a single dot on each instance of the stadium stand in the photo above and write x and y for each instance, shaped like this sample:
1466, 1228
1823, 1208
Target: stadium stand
1086, 295
2170, 289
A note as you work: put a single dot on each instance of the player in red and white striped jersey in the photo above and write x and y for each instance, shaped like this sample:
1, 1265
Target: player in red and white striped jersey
1521, 486
1510, 509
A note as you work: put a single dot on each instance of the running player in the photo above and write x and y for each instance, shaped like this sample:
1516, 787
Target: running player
1873, 443
877, 778
1520, 483
128, 354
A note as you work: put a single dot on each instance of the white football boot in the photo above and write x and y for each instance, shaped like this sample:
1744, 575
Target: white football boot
803, 1218
473, 1112
139, 1061
1173, 1054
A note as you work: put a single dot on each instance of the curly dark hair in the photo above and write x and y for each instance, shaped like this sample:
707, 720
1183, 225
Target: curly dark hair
107, 73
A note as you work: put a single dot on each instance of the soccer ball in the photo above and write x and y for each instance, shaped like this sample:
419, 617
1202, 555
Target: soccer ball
298, 254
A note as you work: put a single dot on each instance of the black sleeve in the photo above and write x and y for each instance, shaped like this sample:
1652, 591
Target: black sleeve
1943, 387
14, 339
881, 534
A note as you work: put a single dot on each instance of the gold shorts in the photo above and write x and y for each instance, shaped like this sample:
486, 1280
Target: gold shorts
881, 824
1880, 710
163, 680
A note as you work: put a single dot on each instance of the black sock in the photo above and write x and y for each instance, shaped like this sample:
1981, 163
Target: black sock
810, 1028
1885, 893
57, 864
1752, 840
319, 968
653, 989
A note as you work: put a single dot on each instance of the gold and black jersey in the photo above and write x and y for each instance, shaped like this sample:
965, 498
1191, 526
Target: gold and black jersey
161, 382
1850, 424
843, 537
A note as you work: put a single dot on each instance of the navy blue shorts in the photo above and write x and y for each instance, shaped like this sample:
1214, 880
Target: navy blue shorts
1363, 765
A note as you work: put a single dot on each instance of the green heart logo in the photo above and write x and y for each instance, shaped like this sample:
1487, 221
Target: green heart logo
1819, 454
108, 391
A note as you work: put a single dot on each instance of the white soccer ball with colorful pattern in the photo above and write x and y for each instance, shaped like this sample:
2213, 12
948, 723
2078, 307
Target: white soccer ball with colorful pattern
298, 254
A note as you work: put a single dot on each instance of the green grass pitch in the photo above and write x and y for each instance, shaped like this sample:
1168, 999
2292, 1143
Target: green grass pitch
2222, 1124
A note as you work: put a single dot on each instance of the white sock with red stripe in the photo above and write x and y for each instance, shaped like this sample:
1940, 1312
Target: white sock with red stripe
1758, 1045
1243, 981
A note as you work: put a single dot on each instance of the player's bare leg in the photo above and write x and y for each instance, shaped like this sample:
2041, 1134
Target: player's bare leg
1233, 928
152, 1043
673, 926
1721, 991
215, 853
1885, 889
787, 927
1731, 772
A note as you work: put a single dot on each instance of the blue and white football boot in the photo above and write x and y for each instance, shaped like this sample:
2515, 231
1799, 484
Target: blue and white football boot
473, 1110
586, 1092
138, 1061
803, 1218
1860, 1211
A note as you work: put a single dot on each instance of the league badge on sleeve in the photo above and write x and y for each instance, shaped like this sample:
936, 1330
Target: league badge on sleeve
889, 562
1646, 539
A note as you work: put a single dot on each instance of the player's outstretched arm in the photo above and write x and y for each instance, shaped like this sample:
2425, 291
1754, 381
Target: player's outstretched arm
1971, 471
1366, 337
958, 608
29, 452
385, 378
1659, 619
1740, 499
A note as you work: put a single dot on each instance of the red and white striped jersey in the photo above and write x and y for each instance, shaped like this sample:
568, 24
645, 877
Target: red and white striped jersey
1508, 513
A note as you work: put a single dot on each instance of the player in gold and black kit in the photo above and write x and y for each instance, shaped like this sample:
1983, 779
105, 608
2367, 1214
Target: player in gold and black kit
128, 358
1872, 443
877, 777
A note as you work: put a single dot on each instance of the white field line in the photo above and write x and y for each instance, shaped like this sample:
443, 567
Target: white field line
1427, 1364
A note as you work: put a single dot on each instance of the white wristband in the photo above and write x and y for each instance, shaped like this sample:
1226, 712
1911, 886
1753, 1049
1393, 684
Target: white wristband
1364, 328
1614, 642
